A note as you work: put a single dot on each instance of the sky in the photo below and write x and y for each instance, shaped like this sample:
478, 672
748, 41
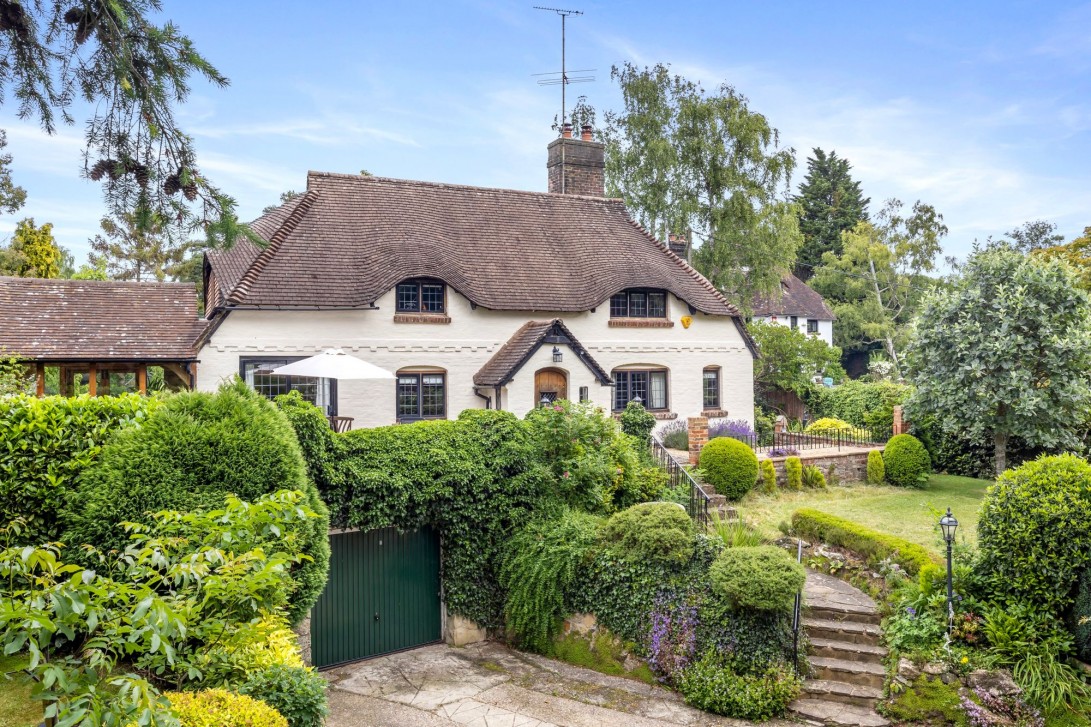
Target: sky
982, 109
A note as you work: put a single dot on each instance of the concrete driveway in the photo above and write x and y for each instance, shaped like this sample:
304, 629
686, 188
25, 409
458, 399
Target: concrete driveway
489, 685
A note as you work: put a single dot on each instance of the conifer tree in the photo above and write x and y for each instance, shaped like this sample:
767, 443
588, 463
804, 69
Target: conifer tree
128, 252
831, 203
32, 253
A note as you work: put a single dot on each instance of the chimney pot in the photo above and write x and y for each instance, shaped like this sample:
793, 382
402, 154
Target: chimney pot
585, 132
566, 130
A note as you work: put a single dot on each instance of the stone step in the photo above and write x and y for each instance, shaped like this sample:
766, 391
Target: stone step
843, 692
842, 612
837, 713
851, 672
849, 631
837, 649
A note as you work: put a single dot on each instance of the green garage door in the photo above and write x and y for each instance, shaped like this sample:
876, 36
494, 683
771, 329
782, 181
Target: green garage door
382, 596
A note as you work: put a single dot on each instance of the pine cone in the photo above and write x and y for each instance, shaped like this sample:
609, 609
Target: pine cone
84, 29
73, 16
172, 184
190, 191
99, 169
140, 171
114, 170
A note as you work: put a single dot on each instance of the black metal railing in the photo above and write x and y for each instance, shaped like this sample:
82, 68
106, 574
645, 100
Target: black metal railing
698, 507
797, 609
790, 443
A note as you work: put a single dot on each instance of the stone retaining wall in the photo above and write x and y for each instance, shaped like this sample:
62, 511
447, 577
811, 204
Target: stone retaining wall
849, 466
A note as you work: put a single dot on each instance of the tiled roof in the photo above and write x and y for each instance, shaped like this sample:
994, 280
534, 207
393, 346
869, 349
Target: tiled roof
351, 238
796, 299
503, 365
98, 320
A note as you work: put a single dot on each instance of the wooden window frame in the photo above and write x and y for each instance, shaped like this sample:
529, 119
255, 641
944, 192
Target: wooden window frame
628, 292
418, 373
649, 371
420, 283
705, 405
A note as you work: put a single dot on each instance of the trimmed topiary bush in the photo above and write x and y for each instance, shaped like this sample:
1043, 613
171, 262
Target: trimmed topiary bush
763, 578
793, 469
299, 694
871, 544
906, 462
730, 466
661, 532
876, 470
769, 476
1034, 533
221, 708
188, 453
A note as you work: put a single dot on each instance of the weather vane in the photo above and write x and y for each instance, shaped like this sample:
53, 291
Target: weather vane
554, 78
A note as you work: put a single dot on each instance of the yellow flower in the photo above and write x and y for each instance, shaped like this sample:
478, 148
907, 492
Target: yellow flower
965, 660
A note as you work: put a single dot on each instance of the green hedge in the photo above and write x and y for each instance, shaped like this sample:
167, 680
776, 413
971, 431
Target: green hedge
46, 443
859, 539
188, 453
868, 404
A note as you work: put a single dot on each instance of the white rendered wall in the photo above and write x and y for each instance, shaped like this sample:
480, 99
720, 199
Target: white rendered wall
825, 327
473, 336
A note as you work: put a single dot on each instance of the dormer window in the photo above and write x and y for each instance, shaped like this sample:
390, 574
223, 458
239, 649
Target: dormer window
421, 295
639, 303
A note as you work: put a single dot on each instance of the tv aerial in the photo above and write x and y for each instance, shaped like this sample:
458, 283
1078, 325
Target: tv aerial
561, 78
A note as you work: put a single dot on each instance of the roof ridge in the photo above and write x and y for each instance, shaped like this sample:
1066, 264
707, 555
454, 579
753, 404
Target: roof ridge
686, 267
254, 271
450, 185
83, 281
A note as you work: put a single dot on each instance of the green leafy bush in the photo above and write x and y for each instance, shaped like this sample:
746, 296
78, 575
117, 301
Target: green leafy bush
830, 425
675, 435
657, 531
221, 708
1080, 617
867, 404
1034, 533
299, 694
871, 544
793, 470
636, 421
909, 630
735, 533
768, 476
906, 462
813, 478
44, 446
713, 684
876, 470
730, 466
763, 578
188, 453
541, 564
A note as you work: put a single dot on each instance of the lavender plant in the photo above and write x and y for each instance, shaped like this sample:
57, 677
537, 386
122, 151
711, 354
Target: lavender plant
673, 639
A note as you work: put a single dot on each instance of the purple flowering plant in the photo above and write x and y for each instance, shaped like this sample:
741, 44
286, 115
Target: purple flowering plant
737, 428
673, 638
987, 710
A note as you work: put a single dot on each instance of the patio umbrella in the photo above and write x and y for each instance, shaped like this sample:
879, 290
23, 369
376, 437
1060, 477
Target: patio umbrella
333, 364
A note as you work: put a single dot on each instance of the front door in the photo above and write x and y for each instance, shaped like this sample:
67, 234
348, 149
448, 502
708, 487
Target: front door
551, 384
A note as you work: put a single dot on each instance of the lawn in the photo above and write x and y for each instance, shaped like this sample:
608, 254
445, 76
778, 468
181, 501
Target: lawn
16, 708
908, 513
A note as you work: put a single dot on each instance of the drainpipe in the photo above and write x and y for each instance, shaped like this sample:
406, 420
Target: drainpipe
488, 399
499, 402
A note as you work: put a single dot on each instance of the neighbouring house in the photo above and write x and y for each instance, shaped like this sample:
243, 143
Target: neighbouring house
99, 336
797, 306
474, 298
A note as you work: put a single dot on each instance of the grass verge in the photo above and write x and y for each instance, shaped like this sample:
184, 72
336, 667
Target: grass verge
16, 707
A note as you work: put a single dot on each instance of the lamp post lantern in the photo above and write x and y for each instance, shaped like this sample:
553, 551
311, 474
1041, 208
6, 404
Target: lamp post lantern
557, 355
948, 525
544, 401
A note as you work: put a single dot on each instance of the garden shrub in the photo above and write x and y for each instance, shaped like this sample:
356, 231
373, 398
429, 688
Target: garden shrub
188, 453
730, 466
813, 478
768, 476
1080, 617
656, 531
221, 708
793, 470
864, 541
1034, 532
876, 470
763, 578
44, 446
675, 435
297, 693
735, 533
713, 684
736, 428
637, 422
829, 425
275, 645
867, 404
906, 462
540, 566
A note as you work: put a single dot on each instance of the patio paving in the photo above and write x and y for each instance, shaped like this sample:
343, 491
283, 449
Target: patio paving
489, 685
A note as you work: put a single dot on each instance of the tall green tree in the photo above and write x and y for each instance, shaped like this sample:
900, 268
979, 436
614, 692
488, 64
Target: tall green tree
1035, 235
133, 72
129, 252
12, 197
875, 284
1005, 351
1077, 254
790, 359
830, 202
686, 160
32, 252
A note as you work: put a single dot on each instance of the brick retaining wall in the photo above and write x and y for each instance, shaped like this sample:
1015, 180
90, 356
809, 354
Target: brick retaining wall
849, 466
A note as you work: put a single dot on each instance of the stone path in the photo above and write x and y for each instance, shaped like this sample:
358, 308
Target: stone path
842, 624
489, 685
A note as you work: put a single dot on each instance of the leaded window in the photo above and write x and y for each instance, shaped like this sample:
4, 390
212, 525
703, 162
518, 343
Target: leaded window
257, 372
649, 386
637, 303
421, 296
421, 396
711, 388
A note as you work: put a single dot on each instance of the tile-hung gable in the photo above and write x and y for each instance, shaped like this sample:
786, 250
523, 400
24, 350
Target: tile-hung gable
352, 238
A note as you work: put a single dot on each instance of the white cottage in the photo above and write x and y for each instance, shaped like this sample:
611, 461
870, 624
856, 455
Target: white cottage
798, 306
474, 298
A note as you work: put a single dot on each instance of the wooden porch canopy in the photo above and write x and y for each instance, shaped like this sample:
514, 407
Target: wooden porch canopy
96, 328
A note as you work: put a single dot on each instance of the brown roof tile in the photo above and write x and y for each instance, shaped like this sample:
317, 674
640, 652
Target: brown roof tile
100, 320
796, 299
351, 238
504, 364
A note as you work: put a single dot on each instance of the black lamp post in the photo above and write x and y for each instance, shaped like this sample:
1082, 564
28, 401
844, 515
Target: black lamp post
948, 525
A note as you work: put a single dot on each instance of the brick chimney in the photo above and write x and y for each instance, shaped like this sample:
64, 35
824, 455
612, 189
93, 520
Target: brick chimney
677, 244
576, 165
